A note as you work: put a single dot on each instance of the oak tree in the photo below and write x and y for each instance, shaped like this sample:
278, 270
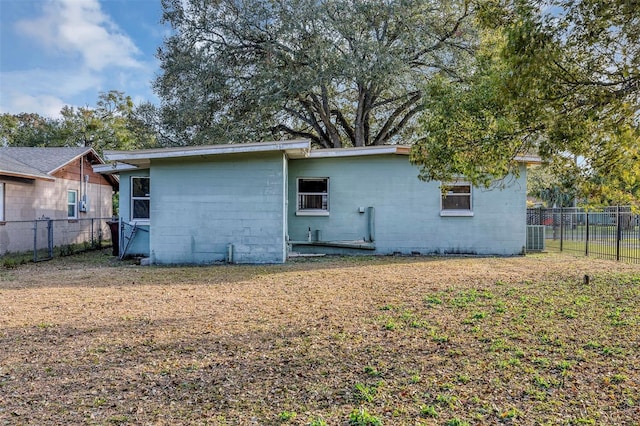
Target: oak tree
338, 72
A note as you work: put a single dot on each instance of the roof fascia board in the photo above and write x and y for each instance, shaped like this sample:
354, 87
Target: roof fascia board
135, 157
107, 169
360, 151
391, 149
27, 176
528, 159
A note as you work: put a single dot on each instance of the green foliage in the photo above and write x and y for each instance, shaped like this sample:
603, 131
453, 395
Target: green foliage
361, 417
11, 260
619, 378
469, 127
544, 184
432, 300
428, 411
372, 371
585, 103
449, 401
561, 81
286, 416
112, 124
339, 72
456, 422
364, 393
28, 129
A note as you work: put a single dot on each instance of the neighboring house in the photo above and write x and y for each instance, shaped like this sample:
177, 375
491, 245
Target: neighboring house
257, 203
49, 183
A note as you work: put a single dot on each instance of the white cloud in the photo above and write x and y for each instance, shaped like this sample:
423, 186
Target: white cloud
45, 105
42, 91
79, 27
79, 52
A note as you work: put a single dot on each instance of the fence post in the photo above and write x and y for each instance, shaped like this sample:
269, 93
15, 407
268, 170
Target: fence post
586, 224
618, 232
50, 237
561, 228
35, 241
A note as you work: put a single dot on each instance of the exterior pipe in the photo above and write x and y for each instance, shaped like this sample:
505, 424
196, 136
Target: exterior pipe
229, 253
371, 223
360, 246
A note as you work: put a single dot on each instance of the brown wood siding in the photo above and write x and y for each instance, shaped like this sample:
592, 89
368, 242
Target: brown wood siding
71, 171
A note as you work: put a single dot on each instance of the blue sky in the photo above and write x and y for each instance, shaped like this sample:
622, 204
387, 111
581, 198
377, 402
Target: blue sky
65, 52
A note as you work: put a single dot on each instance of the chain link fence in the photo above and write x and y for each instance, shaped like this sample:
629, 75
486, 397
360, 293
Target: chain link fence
42, 239
608, 233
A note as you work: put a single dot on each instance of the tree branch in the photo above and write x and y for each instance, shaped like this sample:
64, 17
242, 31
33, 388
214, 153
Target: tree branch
387, 131
298, 133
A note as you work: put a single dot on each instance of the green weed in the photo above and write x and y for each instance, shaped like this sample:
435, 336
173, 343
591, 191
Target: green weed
511, 413
364, 393
287, 416
456, 422
619, 378
361, 417
428, 411
372, 371
432, 300
569, 313
448, 400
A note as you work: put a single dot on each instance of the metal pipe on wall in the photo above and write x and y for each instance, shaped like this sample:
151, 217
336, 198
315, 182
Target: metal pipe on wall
371, 223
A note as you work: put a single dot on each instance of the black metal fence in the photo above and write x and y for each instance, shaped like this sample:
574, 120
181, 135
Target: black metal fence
608, 233
45, 238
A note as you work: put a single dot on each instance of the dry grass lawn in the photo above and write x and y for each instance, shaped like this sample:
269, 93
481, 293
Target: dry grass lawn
336, 341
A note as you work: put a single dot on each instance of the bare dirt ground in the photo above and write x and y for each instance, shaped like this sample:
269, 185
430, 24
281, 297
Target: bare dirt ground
337, 341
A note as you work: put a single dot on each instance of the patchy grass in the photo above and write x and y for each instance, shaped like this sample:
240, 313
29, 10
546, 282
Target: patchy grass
332, 341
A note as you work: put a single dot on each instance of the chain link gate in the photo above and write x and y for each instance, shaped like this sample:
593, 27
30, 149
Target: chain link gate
42, 232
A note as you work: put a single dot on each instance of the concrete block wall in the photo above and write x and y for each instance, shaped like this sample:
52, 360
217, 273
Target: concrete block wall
407, 210
199, 207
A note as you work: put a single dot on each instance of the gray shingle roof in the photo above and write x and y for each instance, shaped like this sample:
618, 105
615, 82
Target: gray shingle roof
37, 162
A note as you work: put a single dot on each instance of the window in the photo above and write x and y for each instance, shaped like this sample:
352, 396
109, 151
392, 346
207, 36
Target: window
140, 198
456, 200
313, 196
1, 202
72, 204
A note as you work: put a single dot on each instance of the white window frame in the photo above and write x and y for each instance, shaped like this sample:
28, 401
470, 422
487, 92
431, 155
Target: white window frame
311, 212
132, 198
2, 198
74, 204
456, 212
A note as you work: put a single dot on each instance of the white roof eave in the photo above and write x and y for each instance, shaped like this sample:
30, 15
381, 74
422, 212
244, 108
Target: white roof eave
528, 159
113, 168
357, 152
143, 157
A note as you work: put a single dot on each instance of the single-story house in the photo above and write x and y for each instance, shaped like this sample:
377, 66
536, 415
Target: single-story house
49, 183
260, 202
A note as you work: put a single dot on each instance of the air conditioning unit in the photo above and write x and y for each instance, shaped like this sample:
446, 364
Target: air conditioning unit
535, 237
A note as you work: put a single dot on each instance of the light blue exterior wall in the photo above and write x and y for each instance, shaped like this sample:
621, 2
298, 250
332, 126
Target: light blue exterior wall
407, 210
139, 244
200, 206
